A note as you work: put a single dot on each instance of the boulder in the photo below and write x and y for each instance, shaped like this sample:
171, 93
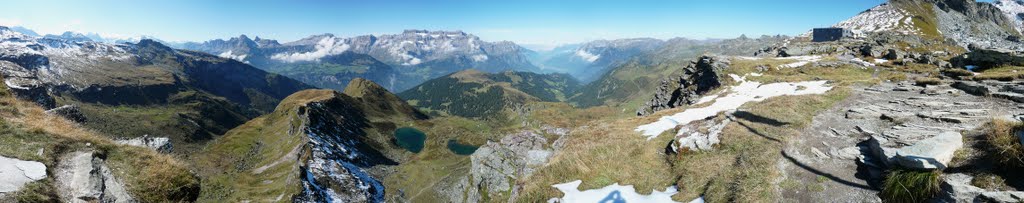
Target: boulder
871, 51
893, 55
15, 173
932, 153
923, 154
877, 146
70, 112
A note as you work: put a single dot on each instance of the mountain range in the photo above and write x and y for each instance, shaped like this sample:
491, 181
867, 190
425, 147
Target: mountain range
412, 57
923, 103
131, 90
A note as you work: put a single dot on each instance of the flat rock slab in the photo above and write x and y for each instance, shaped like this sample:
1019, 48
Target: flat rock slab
15, 173
932, 153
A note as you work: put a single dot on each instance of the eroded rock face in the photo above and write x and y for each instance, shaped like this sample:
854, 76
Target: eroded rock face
15, 173
81, 177
697, 78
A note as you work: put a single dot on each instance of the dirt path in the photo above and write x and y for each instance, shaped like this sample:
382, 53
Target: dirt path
292, 155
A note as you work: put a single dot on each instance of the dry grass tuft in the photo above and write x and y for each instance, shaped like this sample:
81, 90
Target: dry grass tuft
1005, 141
925, 81
1005, 73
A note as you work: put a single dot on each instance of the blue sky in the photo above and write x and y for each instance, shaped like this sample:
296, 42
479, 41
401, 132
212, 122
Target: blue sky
526, 22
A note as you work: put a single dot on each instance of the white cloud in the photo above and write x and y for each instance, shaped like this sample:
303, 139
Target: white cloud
9, 22
325, 47
587, 56
231, 55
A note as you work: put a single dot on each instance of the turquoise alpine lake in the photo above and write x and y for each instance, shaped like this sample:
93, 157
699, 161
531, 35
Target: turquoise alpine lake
461, 149
410, 139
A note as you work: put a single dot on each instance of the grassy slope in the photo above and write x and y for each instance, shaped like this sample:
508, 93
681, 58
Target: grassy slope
259, 160
25, 129
476, 94
229, 164
741, 168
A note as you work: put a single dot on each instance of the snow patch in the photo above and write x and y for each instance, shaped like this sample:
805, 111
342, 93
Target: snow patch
884, 17
479, 57
746, 91
611, 193
801, 60
325, 47
1012, 9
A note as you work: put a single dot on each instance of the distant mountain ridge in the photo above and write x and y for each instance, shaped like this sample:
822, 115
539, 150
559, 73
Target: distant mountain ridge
414, 55
589, 60
131, 90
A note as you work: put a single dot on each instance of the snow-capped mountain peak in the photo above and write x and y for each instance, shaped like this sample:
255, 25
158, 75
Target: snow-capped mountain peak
1014, 10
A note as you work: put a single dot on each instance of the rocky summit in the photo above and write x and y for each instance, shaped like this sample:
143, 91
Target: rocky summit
613, 101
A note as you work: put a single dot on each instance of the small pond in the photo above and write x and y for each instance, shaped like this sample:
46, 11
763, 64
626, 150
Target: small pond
461, 149
410, 139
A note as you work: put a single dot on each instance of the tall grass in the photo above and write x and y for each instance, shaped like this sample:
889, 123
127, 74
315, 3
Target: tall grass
902, 185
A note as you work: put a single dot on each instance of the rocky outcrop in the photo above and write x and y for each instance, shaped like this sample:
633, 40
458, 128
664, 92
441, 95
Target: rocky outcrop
496, 165
974, 88
83, 177
697, 78
15, 173
160, 144
70, 112
988, 58
699, 135
338, 151
1012, 91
